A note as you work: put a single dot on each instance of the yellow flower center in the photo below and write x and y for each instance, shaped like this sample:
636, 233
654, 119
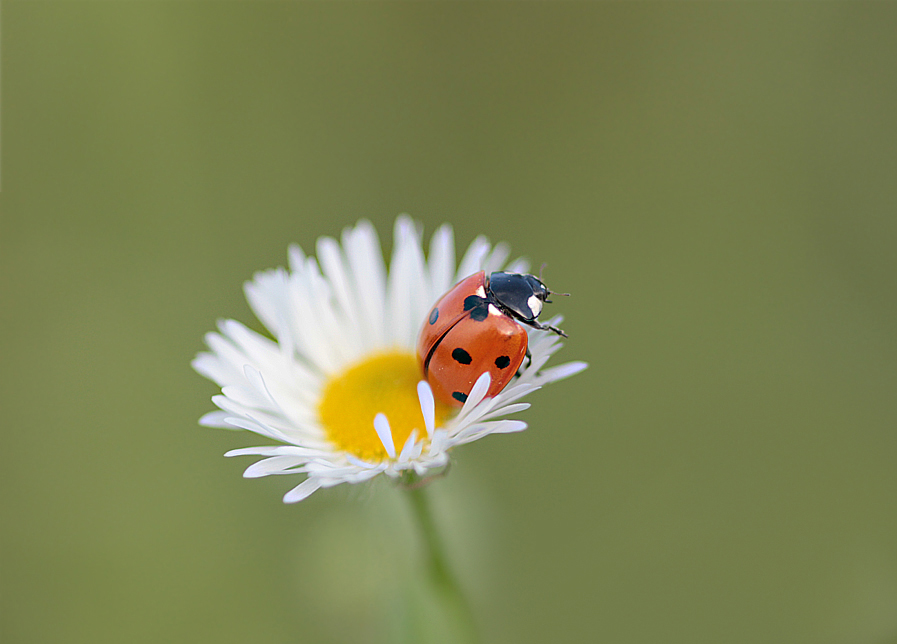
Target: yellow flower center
382, 383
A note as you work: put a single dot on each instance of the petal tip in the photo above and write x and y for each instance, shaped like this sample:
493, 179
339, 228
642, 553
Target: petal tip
381, 426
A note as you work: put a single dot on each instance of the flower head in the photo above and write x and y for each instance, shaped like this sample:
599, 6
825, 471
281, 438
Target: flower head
340, 386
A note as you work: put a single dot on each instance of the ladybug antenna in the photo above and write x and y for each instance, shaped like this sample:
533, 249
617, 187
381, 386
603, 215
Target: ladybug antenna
541, 269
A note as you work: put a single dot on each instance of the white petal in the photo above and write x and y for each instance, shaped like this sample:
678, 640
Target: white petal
244, 396
302, 491
276, 450
506, 426
427, 405
477, 393
562, 371
334, 305
348, 475
326, 470
229, 356
314, 319
269, 296
240, 418
359, 476
369, 274
530, 374
273, 465
516, 391
254, 376
436, 461
475, 413
439, 441
264, 355
381, 425
473, 258
407, 293
408, 448
441, 262
212, 367
357, 462
476, 432
215, 419
505, 410
497, 258
266, 294
332, 261
296, 258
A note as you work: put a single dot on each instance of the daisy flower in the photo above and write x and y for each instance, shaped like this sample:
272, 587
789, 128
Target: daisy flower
339, 386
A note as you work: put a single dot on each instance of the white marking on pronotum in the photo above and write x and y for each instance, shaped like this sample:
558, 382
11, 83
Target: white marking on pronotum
535, 305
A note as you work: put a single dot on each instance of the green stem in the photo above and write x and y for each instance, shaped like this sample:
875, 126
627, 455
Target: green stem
440, 573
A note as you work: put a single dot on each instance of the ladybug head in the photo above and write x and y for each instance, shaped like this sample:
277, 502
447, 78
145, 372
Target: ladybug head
519, 295
539, 289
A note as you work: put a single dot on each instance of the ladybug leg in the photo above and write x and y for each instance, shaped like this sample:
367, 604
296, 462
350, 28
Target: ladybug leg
556, 330
528, 360
546, 327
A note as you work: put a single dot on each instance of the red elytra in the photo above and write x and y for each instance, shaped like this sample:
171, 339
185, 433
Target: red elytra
457, 344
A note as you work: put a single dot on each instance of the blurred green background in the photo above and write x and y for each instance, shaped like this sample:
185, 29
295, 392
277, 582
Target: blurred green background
715, 183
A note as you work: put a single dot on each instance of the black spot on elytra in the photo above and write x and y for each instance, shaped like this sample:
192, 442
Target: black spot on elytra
459, 396
473, 301
434, 315
460, 355
478, 307
502, 361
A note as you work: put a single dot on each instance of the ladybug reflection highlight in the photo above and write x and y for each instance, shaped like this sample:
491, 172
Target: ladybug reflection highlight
476, 328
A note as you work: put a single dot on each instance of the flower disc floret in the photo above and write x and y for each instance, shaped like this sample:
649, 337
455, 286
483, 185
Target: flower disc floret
385, 383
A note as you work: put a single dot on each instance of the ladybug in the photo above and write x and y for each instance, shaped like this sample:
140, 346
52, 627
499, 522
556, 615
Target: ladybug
476, 327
